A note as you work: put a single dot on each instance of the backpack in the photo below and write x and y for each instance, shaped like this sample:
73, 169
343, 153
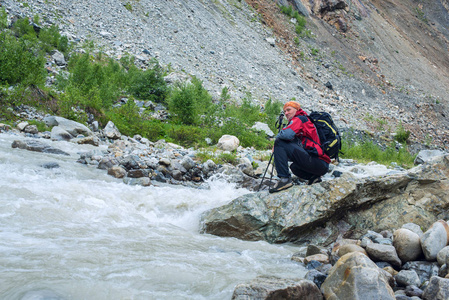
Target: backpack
327, 131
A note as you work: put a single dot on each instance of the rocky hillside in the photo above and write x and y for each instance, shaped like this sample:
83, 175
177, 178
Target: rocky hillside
373, 64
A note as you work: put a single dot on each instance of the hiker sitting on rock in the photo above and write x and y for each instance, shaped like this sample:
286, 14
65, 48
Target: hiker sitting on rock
298, 142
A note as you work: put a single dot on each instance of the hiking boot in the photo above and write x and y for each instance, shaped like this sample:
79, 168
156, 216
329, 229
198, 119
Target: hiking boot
314, 179
283, 184
298, 180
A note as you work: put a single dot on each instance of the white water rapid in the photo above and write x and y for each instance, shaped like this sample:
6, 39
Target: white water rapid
74, 232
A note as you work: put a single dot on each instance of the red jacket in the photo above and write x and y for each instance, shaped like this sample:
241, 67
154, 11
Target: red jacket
302, 128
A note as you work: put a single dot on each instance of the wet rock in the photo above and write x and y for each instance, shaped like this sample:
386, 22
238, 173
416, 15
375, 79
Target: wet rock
138, 173
316, 277
143, 181
265, 288
355, 276
187, 162
374, 203
37, 146
50, 165
117, 171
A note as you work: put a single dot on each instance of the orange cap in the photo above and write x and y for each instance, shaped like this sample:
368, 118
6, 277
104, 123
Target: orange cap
293, 104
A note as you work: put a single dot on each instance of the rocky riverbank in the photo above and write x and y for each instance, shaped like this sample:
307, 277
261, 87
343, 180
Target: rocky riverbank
402, 264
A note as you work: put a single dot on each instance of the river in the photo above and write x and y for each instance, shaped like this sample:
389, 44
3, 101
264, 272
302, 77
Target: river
73, 232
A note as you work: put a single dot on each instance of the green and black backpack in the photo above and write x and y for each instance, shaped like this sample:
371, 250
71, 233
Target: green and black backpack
327, 131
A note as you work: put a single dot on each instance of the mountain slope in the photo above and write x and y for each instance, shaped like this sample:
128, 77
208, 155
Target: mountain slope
367, 62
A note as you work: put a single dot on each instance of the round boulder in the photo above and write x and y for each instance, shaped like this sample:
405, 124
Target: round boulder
228, 143
407, 244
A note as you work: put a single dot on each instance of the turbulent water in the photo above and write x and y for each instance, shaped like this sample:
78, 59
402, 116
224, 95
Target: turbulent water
74, 232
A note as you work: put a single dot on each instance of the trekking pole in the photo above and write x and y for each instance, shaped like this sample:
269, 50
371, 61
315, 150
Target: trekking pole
278, 125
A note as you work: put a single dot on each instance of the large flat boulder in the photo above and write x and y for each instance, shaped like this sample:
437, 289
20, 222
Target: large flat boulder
348, 205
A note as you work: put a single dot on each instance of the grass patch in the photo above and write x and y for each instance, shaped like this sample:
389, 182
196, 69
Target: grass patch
366, 151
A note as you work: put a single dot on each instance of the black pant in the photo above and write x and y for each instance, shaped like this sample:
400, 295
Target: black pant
304, 165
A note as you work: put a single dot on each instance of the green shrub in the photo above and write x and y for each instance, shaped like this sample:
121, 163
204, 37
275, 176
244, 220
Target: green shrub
52, 39
149, 84
272, 112
300, 20
189, 102
187, 136
20, 63
3, 18
402, 135
106, 76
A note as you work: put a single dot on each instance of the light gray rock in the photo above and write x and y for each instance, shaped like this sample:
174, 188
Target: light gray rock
60, 134
263, 127
58, 58
187, 162
228, 143
442, 256
414, 227
407, 277
209, 166
32, 129
435, 239
22, 125
355, 276
265, 288
72, 127
407, 244
111, 131
426, 155
387, 253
